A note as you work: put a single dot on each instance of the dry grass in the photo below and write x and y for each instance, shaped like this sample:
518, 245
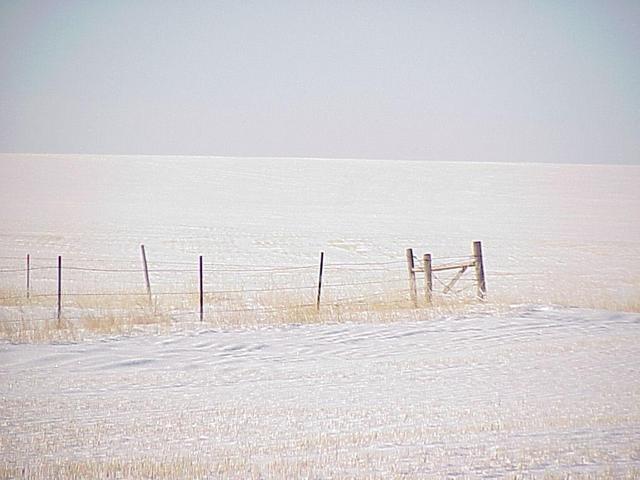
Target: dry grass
29, 320
362, 453
34, 319
25, 330
367, 466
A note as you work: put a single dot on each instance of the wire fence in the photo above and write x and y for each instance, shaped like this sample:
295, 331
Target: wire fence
172, 286
30, 287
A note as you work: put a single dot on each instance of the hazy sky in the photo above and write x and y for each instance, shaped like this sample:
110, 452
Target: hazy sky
551, 81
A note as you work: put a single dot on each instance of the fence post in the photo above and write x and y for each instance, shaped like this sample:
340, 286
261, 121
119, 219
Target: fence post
201, 292
412, 277
59, 287
428, 277
320, 281
480, 281
146, 274
28, 275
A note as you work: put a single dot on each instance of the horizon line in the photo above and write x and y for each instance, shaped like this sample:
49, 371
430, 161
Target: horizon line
312, 158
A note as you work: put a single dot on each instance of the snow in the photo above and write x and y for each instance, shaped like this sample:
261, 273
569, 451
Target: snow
530, 391
543, 379
551, 233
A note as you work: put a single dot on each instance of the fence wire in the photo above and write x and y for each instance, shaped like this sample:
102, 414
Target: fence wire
393, 273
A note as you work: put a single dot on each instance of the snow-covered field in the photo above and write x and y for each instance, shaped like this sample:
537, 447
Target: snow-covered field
532, 391
542, 379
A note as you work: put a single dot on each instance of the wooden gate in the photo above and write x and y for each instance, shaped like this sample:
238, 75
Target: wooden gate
428, 268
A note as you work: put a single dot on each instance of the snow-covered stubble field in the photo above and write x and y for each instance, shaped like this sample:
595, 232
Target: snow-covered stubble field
542, 379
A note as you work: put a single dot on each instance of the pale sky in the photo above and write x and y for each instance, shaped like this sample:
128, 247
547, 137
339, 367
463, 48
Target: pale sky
516, 81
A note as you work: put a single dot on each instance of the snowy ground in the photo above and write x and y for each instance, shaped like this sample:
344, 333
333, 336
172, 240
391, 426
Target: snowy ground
551, 233
528, 392
532, 383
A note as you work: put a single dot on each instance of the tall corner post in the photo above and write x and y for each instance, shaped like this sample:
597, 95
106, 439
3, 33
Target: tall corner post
479, 266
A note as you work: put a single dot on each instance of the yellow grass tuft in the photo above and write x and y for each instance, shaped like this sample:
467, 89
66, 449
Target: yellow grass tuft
33, 320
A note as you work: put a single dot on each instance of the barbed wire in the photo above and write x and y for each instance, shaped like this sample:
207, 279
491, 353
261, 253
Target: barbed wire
360, 264
205, 291
527, 274
207, 312
23, 270
179, 270
346, 301
339, 301
243, 270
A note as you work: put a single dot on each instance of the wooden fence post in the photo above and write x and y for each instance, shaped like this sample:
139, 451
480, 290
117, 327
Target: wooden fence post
412, 277
428, 277
146, 274
201, 292
320, 280
28, 275
480, 281
59, 288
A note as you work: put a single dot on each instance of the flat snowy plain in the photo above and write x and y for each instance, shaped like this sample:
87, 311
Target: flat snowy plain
540, 381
